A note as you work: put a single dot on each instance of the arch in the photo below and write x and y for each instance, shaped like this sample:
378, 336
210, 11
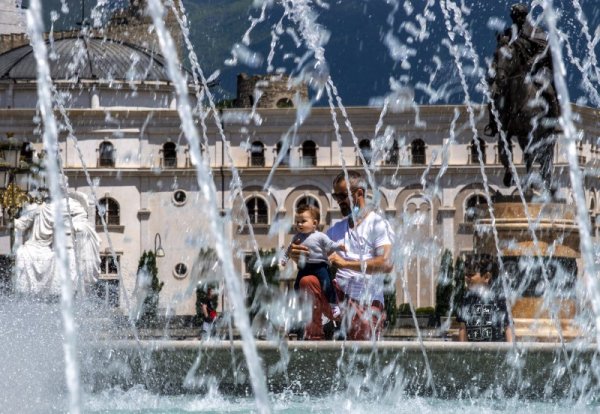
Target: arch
417, 152
258, 209
472, 207
106, 154
365, 148
316, 190
169, 150
109, 209
257, 154
474, 152
593, 201
309, 153
309, 199
284, 103
286, 158
414, 191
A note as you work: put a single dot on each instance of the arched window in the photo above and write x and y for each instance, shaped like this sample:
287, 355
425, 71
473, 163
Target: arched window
365, 148
106, 154
257, 210
309, 154
26, 154
393, 155
257, 154
417, 152
286, 157
169, 152
474, 208
474, 153
284, 103
593, 203
308, 200
108, 208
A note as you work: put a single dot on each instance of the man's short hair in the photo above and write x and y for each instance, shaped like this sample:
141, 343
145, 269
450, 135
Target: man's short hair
314, 211
481, 263
355, 178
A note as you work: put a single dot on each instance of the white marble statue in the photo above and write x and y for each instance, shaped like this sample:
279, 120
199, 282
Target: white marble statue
36, 271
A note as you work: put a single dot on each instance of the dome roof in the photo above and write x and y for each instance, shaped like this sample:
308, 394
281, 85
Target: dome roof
82, 58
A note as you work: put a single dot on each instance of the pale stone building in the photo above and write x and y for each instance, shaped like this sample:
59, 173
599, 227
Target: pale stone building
130, 155
12, 17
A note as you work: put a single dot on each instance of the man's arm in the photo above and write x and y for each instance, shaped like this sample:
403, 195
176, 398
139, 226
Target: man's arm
462, 333
508, 336
378, 264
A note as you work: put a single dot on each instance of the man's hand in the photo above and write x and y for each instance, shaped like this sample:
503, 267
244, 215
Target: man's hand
337, 260
297, 250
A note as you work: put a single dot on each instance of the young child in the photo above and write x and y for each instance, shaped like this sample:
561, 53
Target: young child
482, 314
320, 247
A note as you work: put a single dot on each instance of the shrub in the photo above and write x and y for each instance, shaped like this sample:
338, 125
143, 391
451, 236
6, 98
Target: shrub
425, 311
149, 313
451, 285
270, 270
389, 298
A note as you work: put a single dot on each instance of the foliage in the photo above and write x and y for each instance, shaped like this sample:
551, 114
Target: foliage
404, 310
147, 264
389, 298
391, 309
205, 257
425, 311
451, 285
268, 262
445, 285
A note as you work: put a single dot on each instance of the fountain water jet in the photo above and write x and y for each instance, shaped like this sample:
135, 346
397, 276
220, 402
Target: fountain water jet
332, 94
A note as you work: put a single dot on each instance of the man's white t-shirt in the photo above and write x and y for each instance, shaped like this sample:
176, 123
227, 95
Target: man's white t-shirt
363, 242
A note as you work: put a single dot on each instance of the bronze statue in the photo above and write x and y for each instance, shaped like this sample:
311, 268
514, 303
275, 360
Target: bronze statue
523, 93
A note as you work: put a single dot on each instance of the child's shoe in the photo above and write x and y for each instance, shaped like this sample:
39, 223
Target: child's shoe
335, 310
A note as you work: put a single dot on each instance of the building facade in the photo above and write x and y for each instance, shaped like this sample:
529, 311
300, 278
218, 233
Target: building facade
121, 142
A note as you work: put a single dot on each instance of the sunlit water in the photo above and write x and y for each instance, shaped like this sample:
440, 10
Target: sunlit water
313, 68
138, 400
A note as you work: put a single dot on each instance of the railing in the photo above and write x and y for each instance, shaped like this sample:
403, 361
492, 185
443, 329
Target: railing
259, 218
308, 161
110, 219
473, 155
256, 161
168, 162
418, 159
358, 160
106, 161
392, 158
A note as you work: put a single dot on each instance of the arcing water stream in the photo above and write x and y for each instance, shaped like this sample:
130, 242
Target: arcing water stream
302, 16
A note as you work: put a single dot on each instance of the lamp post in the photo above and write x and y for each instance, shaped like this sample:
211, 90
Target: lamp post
14, 194
14, 184
158, 250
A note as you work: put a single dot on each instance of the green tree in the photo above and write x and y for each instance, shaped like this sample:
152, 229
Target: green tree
268, 261
389, 298
147, 265
459, 282
445, 285
450, 285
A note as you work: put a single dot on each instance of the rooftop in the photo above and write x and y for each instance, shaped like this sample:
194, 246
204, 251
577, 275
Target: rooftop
80, 58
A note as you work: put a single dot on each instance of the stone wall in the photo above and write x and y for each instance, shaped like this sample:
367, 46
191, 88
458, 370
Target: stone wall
12, 41
277, 92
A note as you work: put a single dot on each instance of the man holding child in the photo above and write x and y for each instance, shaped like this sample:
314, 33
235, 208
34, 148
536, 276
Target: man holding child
367, 238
